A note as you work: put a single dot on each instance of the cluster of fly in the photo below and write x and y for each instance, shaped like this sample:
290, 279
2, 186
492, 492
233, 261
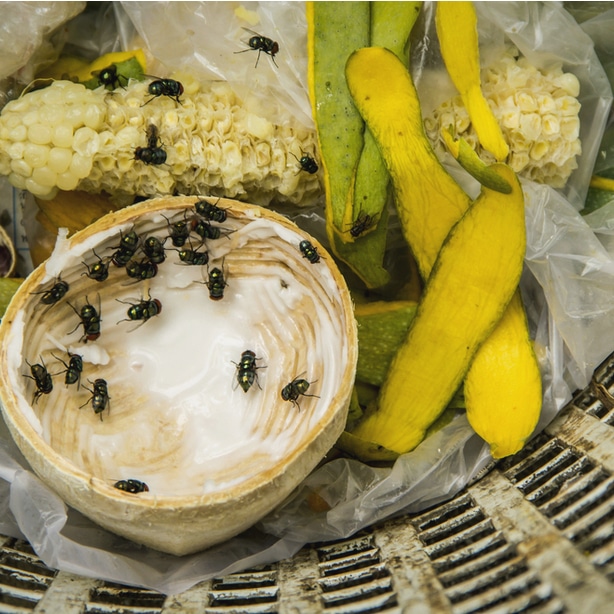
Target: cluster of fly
140, 257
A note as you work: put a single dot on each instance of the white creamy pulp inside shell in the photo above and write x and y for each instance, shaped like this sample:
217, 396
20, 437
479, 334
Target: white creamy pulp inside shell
176, 417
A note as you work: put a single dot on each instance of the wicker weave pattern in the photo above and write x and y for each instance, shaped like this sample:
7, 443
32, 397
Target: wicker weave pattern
535, 534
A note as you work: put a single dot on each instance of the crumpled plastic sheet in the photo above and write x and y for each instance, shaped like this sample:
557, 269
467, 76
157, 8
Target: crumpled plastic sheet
212, 36
544, 33
567, 287
31, 35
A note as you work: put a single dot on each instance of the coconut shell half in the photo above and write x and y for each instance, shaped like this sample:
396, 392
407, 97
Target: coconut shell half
218, 357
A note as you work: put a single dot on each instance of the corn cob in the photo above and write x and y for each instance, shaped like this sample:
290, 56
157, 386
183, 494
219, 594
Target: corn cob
66, 137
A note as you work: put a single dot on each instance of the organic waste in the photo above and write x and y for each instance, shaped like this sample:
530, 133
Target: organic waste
453, 340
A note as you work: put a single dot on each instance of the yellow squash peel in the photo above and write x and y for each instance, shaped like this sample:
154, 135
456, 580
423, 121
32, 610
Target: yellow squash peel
503, 392
473, 279
456, 24
429, 203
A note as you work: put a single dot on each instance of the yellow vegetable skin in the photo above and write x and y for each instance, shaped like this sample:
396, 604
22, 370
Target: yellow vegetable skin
355, 176
75, 68
429, 202
456, 24
502, 399
473, 279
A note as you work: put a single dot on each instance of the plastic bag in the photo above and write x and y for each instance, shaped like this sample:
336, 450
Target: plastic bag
212, 38
568, 278
546, 35
31, 36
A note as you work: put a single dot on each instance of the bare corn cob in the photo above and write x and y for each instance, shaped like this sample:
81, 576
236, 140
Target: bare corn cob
66, 137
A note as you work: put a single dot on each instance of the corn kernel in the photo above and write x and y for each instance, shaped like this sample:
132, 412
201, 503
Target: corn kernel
67, 181
21, 167
62, 135
30, 118
35, 155
18, 133
40, 134
36, 188
85, 142
15, 150
44, 177
80, 166
93, 117
17, 180
59, 159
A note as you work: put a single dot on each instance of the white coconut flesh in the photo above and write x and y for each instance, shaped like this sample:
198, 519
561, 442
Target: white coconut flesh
177, 418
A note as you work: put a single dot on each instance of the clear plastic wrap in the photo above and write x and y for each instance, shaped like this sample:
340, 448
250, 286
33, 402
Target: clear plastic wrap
567, 287
31, 36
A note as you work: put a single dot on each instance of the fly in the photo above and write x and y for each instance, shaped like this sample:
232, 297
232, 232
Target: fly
143, 310
131, 486
362, 223
74, 368
100, 397
99, 271
90, 320
296, 388
165, 87
309, 251
141, 269
307, 163
210, 212
216, 284
178, 232
246, 370
260, 43
42, 378
154, 250
128, 244
110, 77
54, 294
